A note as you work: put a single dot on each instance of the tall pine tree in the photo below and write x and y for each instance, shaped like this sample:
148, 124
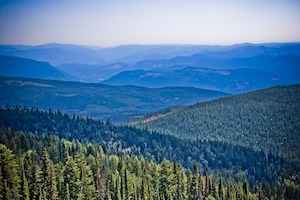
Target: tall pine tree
10, 179
71, 188
48, 178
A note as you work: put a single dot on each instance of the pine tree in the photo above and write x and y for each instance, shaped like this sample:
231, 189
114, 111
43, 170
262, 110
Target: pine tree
189, 184
126, 183
213, 189
220, 189
230, 191
182, 184
48, 178
176, 178
239, 192
155, 180
10, 179
246, 190
195, 182
201, 188
87, 185
207, 186
71, 178
118, 187
24, 186
31, 172
144, 192
167, 180
121, 169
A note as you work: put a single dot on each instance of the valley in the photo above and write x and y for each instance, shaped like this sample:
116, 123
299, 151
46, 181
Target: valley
150, 100
113, 103
224, 118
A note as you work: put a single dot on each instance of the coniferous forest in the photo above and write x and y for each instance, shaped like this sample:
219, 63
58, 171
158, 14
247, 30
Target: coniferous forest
56, 168
51, 155
149, 100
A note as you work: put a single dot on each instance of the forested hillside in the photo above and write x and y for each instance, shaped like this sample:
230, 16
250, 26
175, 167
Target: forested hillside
213, 158
227, 80
116, 104
266, 119
46, 167
20, 67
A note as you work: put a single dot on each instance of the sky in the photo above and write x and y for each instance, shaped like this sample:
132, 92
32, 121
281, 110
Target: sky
117, 22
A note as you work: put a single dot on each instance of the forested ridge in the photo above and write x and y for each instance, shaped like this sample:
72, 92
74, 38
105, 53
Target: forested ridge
117, 104
267, 170
265, 119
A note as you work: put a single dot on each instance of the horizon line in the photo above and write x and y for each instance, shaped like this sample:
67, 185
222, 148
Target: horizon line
154, 44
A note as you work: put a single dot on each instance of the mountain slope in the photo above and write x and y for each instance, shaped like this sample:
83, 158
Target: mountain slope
232, 81
266, 119
97, 100
55, 54
93, 73
21, 67
285, 66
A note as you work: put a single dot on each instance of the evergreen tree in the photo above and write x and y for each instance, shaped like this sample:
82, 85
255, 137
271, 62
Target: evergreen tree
246, 190
189, 184
207, 186
24, 186
213, 189
31, 172
201, 188
182, 184
126, 183
72, 182
230, 191
10, 179
155, 179
48, 178
176, 178
118, 187
239, 192
221, 188
121, 169
87, 185
167, 180
195, 182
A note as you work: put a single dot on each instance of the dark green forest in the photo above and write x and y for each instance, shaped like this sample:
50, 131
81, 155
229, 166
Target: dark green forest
30, 129
47, 167
265, 120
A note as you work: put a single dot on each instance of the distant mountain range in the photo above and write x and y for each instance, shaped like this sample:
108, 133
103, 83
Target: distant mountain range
21, 67
58, 54
116, 104
94, 73
55, 54
285, 66
232, 81
261, 65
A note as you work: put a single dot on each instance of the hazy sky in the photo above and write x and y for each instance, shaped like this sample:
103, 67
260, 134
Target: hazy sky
115, 22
